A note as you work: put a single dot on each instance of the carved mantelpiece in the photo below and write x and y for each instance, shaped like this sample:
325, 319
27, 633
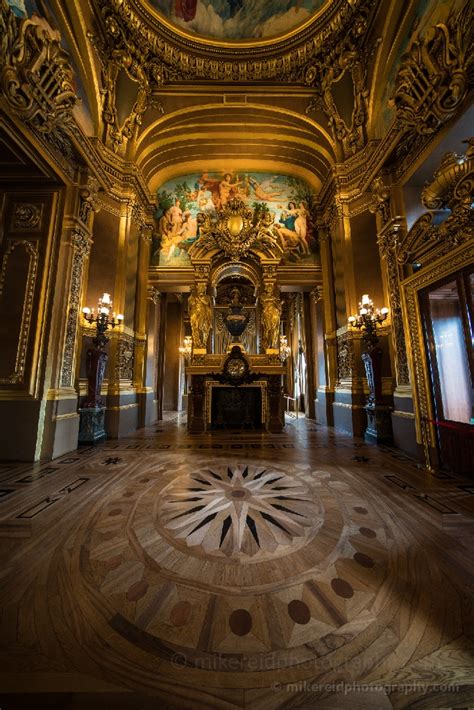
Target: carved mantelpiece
206, 374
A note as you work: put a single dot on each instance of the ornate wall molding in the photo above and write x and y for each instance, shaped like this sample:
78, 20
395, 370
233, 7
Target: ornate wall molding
27, 217
81, 245
125, 357
388, 240
345, 358
32, 250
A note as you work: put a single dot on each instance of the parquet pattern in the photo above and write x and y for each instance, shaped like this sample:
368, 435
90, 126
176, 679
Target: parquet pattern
236, 571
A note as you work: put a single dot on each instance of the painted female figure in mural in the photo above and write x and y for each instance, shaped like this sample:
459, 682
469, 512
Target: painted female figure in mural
227, 189
293, 233
285, 200
263, 190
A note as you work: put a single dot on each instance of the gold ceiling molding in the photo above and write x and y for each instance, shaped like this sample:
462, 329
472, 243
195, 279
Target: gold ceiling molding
316, 21
140, 39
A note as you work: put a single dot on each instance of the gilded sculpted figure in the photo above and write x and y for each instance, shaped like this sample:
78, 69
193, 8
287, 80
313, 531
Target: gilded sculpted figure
271, 312
200, 314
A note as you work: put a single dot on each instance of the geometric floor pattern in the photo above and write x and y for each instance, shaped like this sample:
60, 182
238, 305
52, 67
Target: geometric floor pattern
305, 570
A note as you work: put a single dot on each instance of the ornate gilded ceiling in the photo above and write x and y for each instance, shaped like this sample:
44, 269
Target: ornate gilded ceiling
236, 20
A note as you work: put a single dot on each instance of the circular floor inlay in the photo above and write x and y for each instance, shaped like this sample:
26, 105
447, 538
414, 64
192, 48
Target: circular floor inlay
180, 613
342, 588
240, 622
299, 612
363, 560
367, 532
359, 509
239, 510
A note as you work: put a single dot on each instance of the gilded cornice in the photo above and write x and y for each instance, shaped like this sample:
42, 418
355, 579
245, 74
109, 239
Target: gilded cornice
176, 56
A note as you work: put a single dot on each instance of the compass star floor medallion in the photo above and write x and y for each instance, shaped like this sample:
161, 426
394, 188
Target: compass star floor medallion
239, 510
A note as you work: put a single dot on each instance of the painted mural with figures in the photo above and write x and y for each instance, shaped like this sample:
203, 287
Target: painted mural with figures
237, 19
179, 201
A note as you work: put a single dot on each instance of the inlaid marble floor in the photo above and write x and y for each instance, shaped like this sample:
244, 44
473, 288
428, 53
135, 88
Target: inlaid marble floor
225, 571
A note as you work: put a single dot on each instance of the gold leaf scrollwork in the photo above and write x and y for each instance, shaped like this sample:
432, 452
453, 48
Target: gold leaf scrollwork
36, 78
237, 229
434, 76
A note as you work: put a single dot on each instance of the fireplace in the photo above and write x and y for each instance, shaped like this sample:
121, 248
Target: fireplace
241, 407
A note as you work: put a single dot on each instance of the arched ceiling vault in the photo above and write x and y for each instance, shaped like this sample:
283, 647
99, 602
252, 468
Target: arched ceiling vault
228, 138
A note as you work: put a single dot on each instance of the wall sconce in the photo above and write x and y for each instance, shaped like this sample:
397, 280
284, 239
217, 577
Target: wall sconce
368, 319
379, 427
102, 319
285, 350
187, 348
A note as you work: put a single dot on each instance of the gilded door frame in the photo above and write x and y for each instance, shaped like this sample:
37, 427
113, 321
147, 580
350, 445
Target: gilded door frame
411, 287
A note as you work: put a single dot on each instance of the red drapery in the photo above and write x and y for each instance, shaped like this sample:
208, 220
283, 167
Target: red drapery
186, 9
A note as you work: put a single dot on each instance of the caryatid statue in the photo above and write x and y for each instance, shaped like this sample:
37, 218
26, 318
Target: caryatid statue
271, 313
200, 315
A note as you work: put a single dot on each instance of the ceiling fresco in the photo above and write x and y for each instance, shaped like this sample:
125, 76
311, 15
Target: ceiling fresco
289, 200
237, 19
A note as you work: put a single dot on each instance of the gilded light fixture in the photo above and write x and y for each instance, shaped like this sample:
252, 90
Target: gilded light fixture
186, 348
102, 319
368, 319
378, 413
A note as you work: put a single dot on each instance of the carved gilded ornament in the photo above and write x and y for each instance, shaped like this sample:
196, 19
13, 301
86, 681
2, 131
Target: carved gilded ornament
137, 33
27, 217
389, 240
236, 230
119, 49
36, 77
154, 295
452, 189
435, 75
380, 199
317, 294
88, 195
349, 55
125, 357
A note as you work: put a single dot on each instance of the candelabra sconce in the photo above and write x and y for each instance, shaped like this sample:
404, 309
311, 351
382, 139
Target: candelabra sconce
379, 425
92, 410
285, 350
186, 350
